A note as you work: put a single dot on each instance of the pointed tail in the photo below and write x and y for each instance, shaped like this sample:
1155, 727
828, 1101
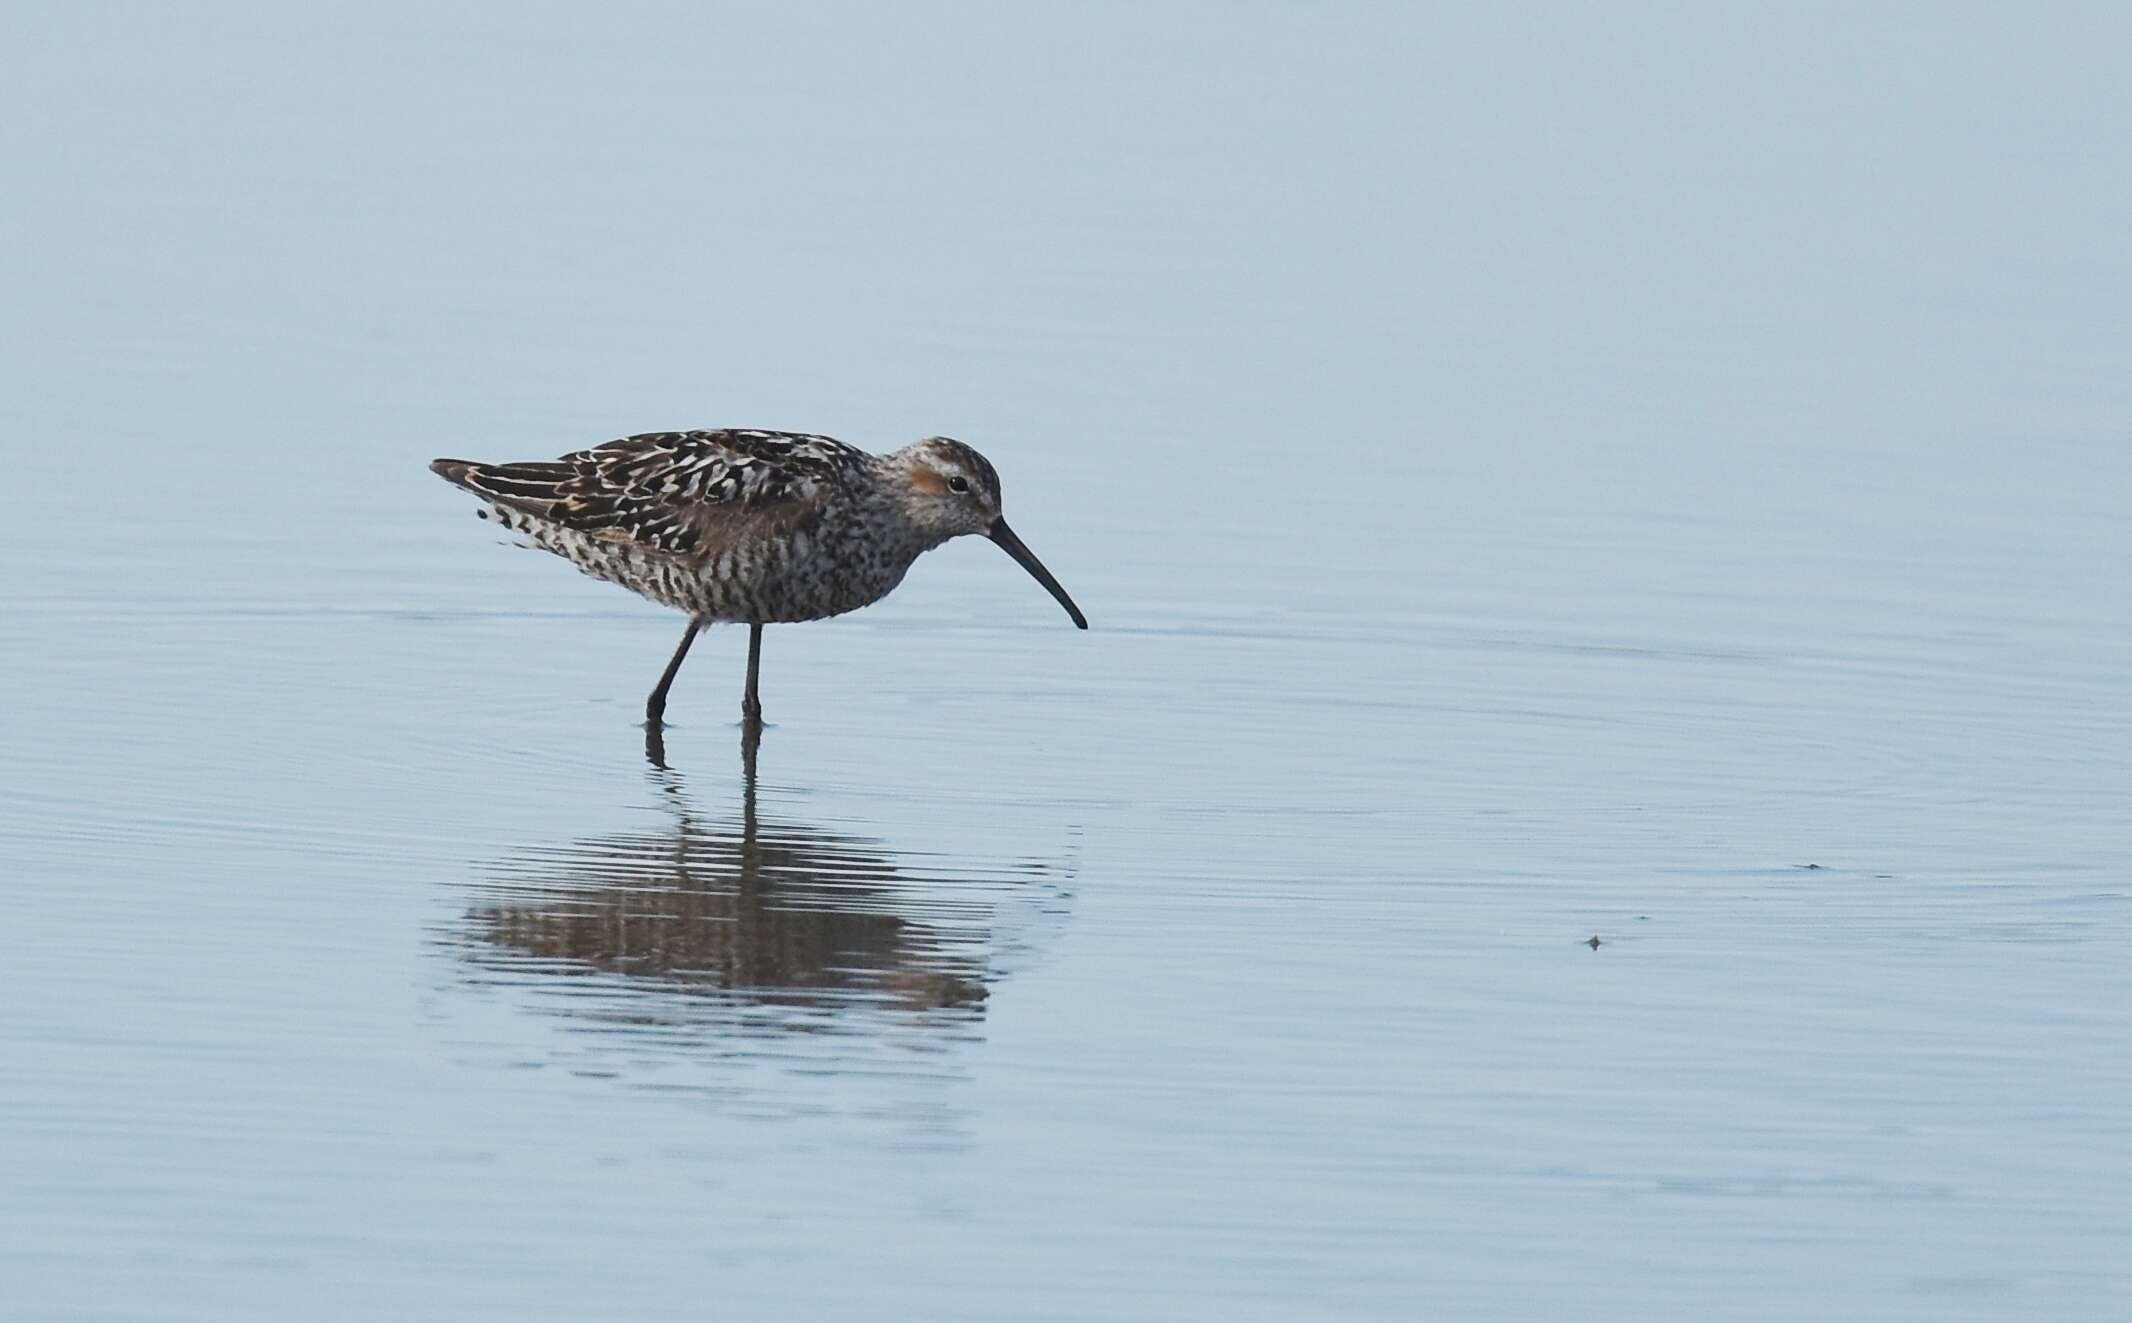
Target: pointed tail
532, 488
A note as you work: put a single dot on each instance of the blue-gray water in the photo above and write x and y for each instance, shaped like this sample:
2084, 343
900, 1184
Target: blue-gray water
1657, 475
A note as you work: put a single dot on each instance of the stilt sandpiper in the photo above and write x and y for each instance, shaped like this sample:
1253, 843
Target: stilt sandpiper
748, 527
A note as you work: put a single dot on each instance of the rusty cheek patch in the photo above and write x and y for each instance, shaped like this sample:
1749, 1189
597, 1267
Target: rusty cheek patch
926, 480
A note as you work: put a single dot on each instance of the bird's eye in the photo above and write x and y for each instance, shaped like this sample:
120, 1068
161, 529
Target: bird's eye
958, 483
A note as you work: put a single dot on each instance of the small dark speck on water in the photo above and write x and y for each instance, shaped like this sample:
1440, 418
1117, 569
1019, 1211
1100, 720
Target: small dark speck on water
1811, 868
1595, 943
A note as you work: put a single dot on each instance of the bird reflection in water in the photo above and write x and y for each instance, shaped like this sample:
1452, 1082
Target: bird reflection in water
706, 928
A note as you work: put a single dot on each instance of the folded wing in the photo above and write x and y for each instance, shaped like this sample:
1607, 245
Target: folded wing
669, 492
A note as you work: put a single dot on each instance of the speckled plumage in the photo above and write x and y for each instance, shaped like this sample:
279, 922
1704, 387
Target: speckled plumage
748, 526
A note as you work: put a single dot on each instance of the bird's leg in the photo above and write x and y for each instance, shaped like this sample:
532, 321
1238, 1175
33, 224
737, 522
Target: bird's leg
751, 706
655, 706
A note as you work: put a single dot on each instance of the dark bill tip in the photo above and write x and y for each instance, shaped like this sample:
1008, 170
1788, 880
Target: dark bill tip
1012, 545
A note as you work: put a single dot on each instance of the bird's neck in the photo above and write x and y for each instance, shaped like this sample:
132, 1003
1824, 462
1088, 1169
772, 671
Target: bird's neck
895, 528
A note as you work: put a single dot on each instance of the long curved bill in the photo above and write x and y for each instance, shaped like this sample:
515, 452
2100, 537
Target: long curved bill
1012, 545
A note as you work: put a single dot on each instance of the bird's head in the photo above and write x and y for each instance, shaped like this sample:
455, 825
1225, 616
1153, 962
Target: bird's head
950, 490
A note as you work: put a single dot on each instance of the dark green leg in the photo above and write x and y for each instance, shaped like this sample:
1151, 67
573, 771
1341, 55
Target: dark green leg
655, 706
751, 706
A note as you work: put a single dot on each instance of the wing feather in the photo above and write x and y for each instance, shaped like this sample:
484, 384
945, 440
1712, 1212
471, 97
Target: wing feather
670, 491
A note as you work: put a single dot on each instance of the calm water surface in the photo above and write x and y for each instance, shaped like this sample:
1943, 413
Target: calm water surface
1657, 477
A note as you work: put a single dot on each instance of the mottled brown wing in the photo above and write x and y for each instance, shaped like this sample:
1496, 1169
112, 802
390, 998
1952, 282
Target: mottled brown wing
669, 491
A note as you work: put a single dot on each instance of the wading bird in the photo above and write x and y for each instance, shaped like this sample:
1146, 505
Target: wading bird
748, 527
